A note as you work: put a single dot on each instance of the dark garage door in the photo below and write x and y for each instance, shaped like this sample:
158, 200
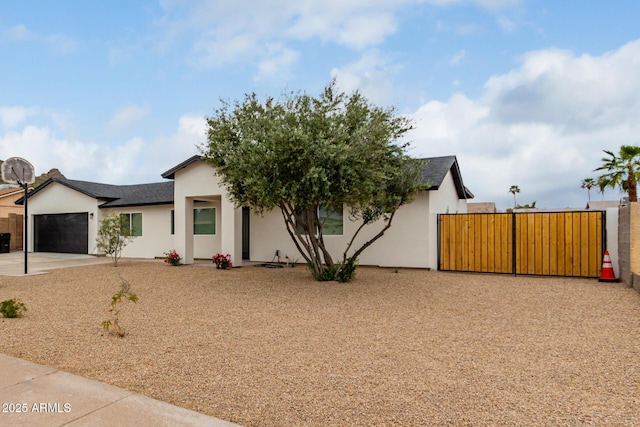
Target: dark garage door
65, 233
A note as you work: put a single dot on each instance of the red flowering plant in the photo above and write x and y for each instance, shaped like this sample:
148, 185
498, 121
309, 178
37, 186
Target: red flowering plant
222, 261
172, 257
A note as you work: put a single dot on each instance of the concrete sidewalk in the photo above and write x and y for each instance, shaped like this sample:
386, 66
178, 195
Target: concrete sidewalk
37, 395
12, 264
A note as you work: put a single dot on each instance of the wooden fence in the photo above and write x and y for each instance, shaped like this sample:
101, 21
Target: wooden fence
539, 243
13, 224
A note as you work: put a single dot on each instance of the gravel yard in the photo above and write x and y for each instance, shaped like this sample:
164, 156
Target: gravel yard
271, 347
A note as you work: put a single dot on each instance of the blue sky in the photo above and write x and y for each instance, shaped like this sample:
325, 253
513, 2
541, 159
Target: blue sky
524, 92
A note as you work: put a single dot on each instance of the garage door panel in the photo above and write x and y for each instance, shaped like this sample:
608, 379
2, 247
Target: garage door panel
64, 233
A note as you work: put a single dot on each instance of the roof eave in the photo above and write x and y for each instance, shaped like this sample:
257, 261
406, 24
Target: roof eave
171, 173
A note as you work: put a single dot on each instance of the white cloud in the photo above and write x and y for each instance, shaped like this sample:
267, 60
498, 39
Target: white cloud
75, 159
506, 24
166, 151
227, 31
17, 33
126, 117
457, 58
59, 44
277, 63
12, 116
542, 126
213, 52
135, 160
371, 74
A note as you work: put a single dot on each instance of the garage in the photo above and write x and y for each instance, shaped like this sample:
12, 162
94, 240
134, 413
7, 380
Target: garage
65, 233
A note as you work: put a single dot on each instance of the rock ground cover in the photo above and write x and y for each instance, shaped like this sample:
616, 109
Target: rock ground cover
272, 347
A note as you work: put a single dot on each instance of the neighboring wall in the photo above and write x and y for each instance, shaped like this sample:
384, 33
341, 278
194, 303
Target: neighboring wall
8, 202
629, 244
13, 224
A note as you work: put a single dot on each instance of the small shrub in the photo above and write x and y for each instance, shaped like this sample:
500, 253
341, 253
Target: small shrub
347, 272
113, 325
341, 273
327, 273
172, 257
12, 308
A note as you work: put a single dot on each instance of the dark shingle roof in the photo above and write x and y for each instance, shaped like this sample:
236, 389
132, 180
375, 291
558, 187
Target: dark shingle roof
433, 173
436, 168
171, 173
159, 193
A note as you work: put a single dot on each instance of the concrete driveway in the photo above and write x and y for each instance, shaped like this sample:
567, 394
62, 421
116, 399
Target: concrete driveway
12, 264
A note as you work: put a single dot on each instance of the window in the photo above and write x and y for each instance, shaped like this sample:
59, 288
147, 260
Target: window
204, 221
331, 220
133, 222
173, 222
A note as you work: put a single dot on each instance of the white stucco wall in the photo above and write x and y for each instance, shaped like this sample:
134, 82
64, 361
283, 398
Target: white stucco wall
156, 231
405, 244
445, 200
59, 199
612, 238
195, 184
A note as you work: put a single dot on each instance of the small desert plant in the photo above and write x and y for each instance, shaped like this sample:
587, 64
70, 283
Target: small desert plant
122, 295
172, 257
113, 235
12, 308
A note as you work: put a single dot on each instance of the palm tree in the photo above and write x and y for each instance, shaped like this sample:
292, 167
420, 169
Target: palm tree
588, 183
622, 170
513, 190
602, 185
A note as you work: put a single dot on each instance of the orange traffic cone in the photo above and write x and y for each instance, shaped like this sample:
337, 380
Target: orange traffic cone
607, 274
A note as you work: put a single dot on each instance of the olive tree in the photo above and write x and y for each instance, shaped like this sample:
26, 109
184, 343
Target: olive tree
310, 156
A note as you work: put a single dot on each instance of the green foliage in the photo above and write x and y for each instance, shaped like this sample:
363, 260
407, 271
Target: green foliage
588, 184
113, 235
342, 273
514, 189
122, 295
621, 170
324, 274
12, 308
347, 271
302, 153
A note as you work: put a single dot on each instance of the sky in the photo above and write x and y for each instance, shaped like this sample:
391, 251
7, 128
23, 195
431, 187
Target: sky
523, 92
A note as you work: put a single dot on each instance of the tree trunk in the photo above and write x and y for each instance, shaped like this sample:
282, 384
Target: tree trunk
631, 188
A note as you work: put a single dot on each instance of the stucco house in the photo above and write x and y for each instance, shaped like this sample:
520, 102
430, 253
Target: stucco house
8, 198
191, 213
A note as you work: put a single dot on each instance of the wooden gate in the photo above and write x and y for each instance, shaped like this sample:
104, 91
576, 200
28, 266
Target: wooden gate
538, 243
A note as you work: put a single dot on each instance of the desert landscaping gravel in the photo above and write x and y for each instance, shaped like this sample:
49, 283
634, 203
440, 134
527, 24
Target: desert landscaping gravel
272, 347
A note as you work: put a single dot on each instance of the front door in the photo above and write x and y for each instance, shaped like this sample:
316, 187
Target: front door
246, 213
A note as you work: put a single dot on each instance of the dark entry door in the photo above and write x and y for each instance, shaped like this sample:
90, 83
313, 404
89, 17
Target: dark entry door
246, 213
64, 233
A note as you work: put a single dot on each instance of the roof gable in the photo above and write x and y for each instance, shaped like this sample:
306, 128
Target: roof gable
171, 173
435, 170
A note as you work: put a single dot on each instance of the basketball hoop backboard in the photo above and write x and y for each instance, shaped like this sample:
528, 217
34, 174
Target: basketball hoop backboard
16, 170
